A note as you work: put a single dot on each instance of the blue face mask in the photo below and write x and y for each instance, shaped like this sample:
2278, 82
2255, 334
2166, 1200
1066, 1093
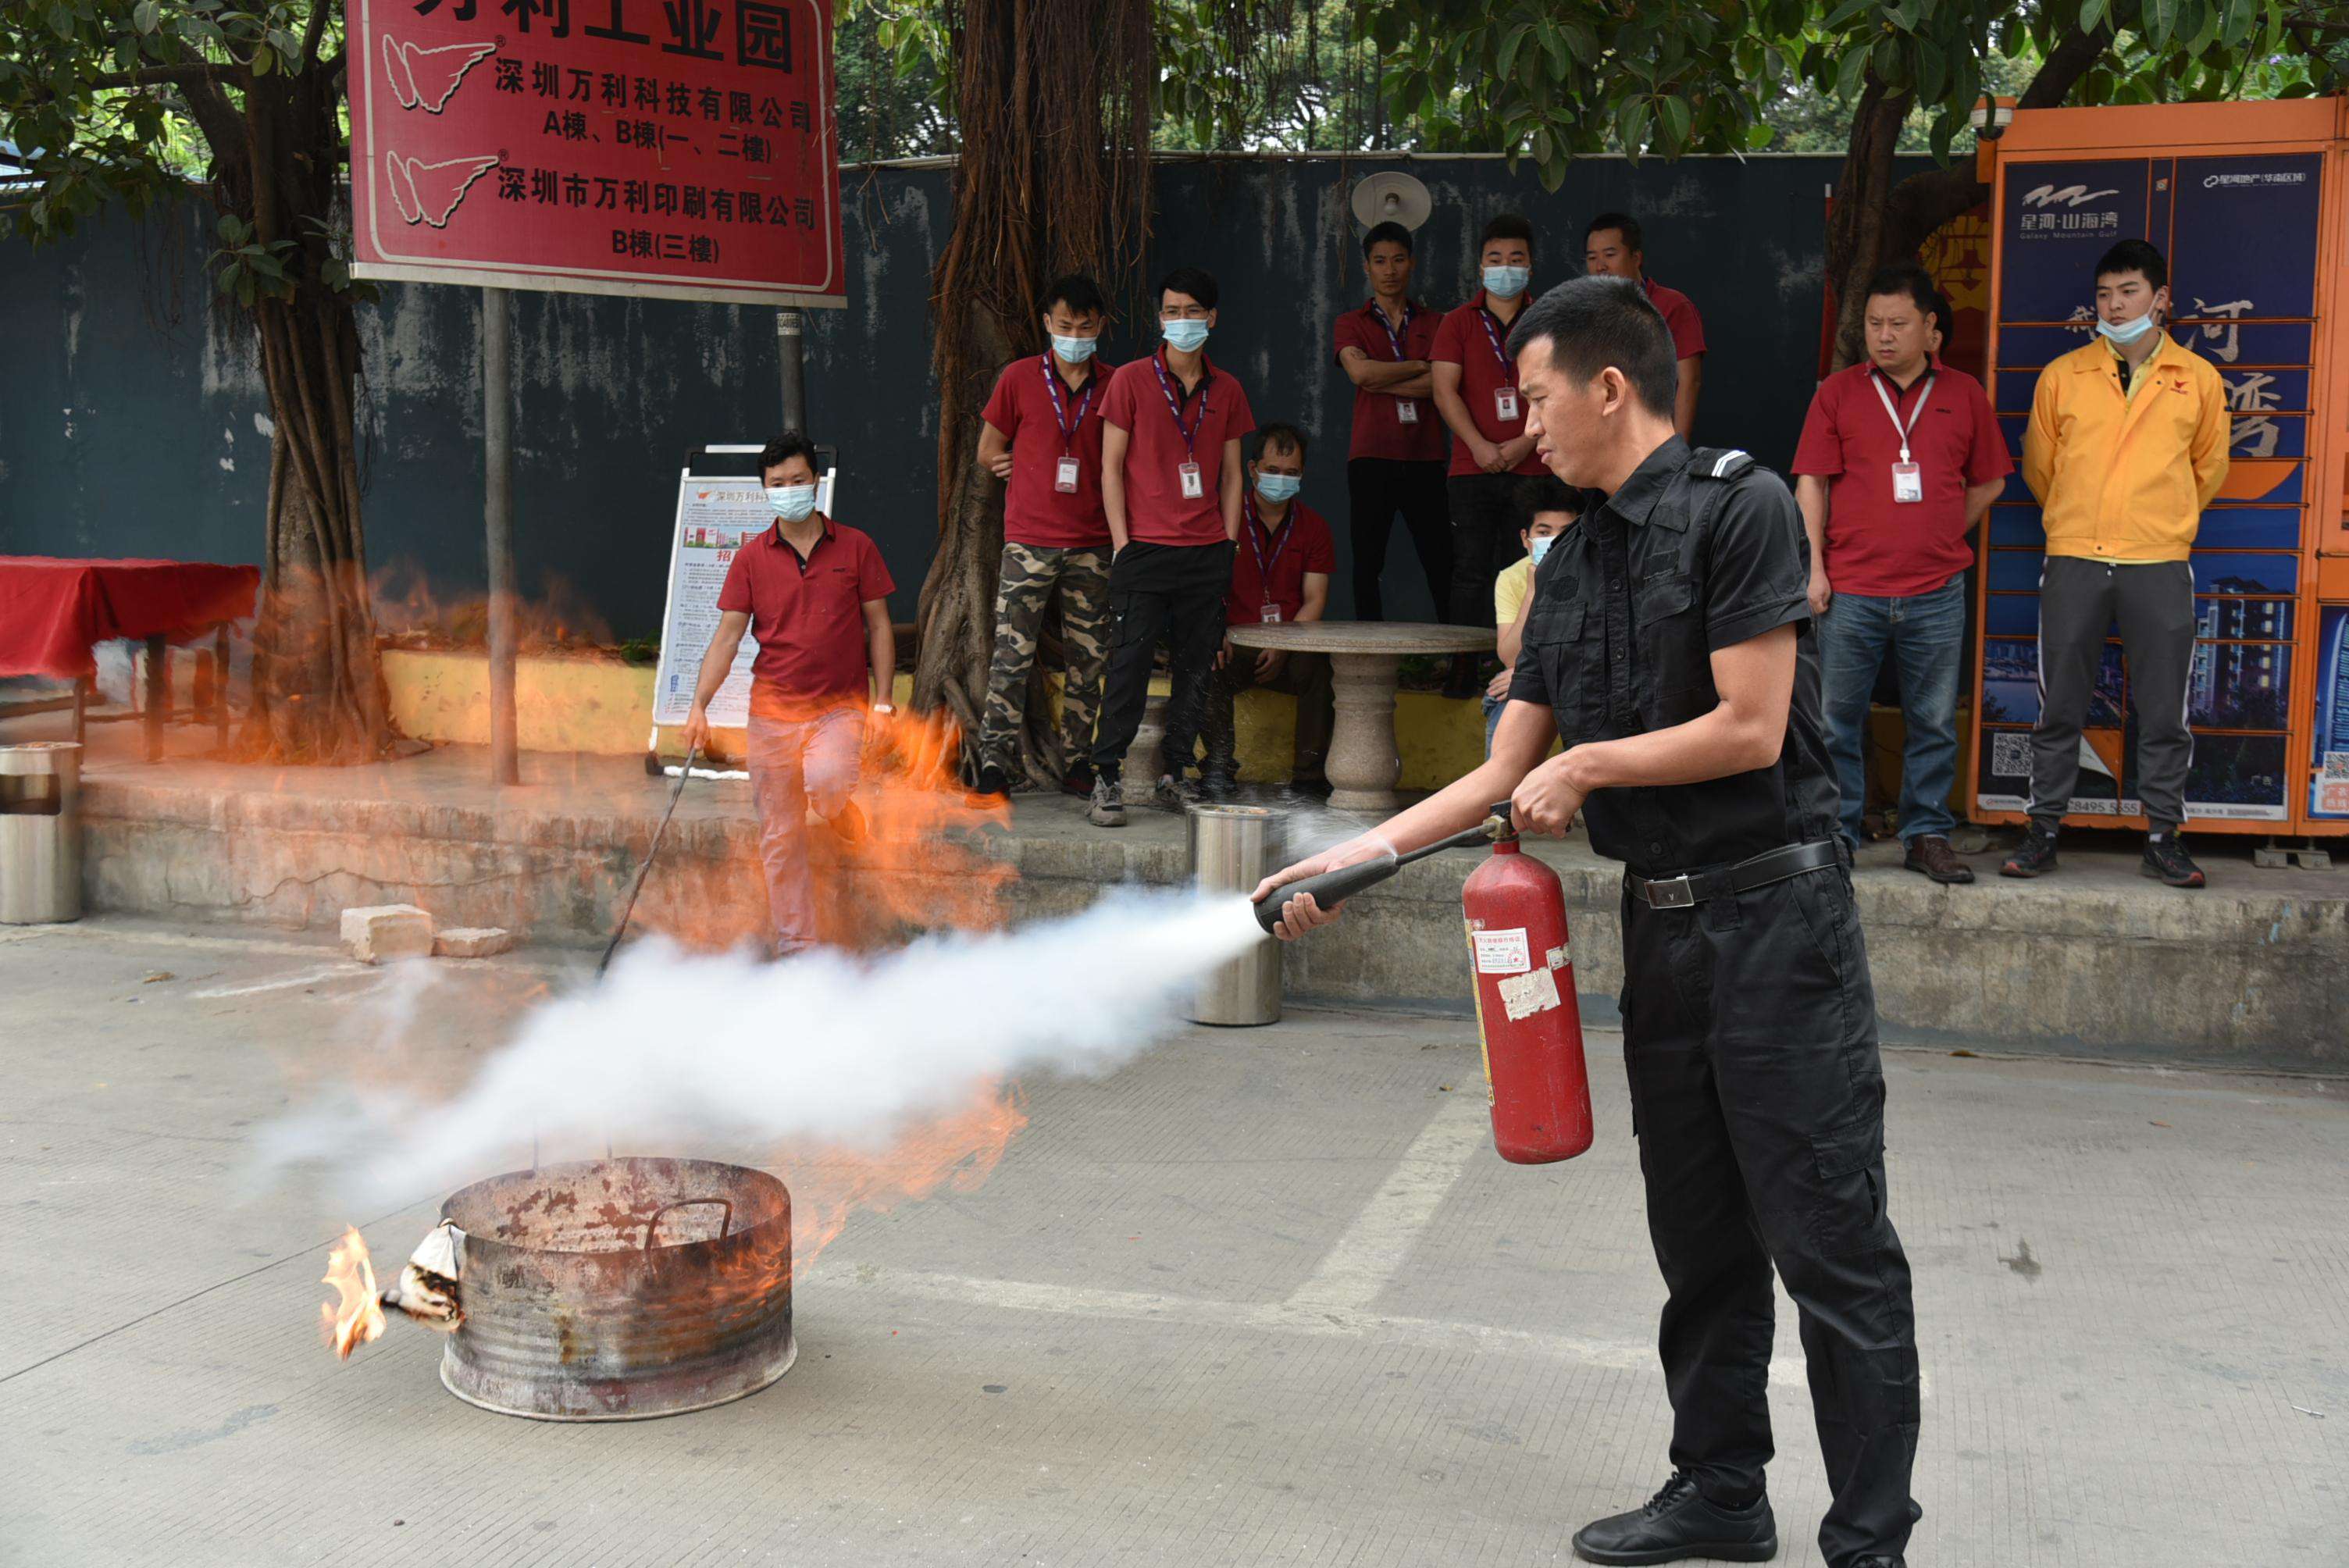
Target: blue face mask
1541, 547
1279, 488
1075, 350
2128, 331
1186, 334
1507, 282
791, 503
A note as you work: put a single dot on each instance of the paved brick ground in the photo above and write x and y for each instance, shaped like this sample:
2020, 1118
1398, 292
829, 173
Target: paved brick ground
1266, 1296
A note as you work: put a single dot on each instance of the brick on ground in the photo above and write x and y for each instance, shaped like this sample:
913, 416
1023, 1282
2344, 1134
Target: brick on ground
379, 933
472, 942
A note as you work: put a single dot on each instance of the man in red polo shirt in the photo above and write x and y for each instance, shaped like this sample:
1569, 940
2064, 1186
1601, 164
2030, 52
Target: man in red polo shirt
1901, 457
815, 596
1042, 434
1394, 460
1280, 574
1171, 479
1613, 245
1477, 388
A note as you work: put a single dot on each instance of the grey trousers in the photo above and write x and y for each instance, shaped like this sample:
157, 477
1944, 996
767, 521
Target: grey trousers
2078, 600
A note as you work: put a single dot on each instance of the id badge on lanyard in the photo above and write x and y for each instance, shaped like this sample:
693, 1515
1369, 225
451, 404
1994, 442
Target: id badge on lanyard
1406, 411
1194, 487
1505, 396
1269, 614
1064, 475
1504, 404
1407, 408
1908, 477
1065, 479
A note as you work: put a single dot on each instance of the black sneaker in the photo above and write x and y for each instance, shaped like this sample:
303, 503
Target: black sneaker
1679, 1522
1109, 803
1174, 791
1219, 783
2166, 860
2036, 856
992, 783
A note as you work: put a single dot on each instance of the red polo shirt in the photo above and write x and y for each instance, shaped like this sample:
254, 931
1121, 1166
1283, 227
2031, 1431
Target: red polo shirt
1680, 315
1875, 545
1466, 339
1042, 429
1157, 510
1281, 558
1379, 429
807, 615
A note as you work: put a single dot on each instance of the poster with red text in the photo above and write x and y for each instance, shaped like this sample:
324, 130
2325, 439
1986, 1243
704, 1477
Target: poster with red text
675, 148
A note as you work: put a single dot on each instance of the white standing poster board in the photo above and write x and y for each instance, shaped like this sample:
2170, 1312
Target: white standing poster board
717, 515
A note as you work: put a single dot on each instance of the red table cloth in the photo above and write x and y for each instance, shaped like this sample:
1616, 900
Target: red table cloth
53, 611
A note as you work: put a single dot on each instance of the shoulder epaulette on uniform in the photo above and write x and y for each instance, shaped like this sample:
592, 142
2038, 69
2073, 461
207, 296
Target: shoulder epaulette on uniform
1719, 463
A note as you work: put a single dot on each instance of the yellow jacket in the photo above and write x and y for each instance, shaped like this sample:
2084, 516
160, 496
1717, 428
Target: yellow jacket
2121, 478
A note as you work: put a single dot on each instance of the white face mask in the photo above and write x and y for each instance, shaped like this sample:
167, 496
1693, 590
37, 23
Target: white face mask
791, 503
1541, 547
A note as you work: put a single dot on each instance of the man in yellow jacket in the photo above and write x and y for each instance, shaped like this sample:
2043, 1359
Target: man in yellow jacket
2126, 445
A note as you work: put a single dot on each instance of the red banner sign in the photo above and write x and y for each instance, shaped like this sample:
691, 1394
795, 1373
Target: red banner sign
679, 148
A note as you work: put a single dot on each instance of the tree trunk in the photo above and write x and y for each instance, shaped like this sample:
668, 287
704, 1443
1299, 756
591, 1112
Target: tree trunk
1053, 178
1876, 223
317, 685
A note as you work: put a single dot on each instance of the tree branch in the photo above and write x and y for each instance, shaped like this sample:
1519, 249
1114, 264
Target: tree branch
156, 75
315, 31
2066, 64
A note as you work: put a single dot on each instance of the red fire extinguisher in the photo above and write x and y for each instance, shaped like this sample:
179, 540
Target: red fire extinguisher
1527, 1015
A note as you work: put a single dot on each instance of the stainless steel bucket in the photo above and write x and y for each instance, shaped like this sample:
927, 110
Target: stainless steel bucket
40, 832
1232, 849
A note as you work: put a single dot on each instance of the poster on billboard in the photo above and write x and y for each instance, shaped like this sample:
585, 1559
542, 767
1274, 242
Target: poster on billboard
670, 148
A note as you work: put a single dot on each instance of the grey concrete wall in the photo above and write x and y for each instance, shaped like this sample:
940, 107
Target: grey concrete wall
129, 428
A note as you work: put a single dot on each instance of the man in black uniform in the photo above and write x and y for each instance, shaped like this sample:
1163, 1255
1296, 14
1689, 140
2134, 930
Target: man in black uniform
1669, 646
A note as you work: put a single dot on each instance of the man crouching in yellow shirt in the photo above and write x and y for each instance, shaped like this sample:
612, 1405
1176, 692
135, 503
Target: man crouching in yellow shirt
2126, 445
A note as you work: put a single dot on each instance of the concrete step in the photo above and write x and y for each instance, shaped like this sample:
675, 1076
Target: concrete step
2094, 961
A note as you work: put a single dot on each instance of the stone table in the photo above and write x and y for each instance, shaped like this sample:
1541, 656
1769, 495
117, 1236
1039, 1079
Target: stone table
1365, 657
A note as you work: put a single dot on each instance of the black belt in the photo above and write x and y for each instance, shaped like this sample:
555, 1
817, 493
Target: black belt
1770, 866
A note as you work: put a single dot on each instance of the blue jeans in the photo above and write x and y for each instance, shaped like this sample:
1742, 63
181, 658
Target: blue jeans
1492, 706
1922, 634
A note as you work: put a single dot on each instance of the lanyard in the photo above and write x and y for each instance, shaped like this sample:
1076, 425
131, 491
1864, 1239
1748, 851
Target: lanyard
1394, 338
1174, 404
1069, 428
1876, 380
1255, 542
1492, 336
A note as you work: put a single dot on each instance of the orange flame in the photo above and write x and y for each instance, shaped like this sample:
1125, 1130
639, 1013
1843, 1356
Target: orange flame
923, 864
957, 1151
358, 1316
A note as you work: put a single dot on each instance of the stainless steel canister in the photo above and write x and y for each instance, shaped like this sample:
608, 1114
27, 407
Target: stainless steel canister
40, 832
1232, 849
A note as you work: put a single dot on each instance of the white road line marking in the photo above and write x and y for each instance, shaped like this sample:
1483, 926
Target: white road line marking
307, 978
1365, 1260
1290, 1317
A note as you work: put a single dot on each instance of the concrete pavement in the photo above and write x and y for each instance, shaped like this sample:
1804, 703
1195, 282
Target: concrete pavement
1263, 1296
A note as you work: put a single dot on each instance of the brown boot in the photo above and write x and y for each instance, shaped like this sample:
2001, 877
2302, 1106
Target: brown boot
1930, 854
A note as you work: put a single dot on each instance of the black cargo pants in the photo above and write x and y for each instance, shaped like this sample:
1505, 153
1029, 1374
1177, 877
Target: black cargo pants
1757, 1095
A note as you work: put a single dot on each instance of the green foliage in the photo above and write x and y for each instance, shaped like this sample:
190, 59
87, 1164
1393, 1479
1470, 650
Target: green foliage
96, 98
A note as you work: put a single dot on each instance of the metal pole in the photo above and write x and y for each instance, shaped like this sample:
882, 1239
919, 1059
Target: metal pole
497, 520
788, 351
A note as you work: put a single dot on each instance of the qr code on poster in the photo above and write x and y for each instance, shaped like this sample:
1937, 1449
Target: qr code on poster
2010, 754
2336, 767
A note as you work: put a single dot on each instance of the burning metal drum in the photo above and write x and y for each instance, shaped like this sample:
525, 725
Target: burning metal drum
620, 1289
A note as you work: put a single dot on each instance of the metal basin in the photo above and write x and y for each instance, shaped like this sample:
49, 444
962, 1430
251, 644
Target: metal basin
620, 1289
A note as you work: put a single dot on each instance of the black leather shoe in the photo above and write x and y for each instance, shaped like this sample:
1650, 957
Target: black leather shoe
1679, 1522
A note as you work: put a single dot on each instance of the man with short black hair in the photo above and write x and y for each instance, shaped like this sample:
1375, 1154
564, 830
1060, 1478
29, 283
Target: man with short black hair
2126, 445
1614, 246
1477, 388
1901, 457
1042, 434
1280, 575
1171, 479
1394, 458
816, 597
1669, 648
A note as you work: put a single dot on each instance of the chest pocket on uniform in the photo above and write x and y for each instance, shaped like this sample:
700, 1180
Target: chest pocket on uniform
1554, 637
1675, 671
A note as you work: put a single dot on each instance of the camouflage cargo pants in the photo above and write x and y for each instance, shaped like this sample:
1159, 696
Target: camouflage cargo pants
1025, 585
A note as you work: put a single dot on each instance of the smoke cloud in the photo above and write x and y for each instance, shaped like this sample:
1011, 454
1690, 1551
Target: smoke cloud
675, 1051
